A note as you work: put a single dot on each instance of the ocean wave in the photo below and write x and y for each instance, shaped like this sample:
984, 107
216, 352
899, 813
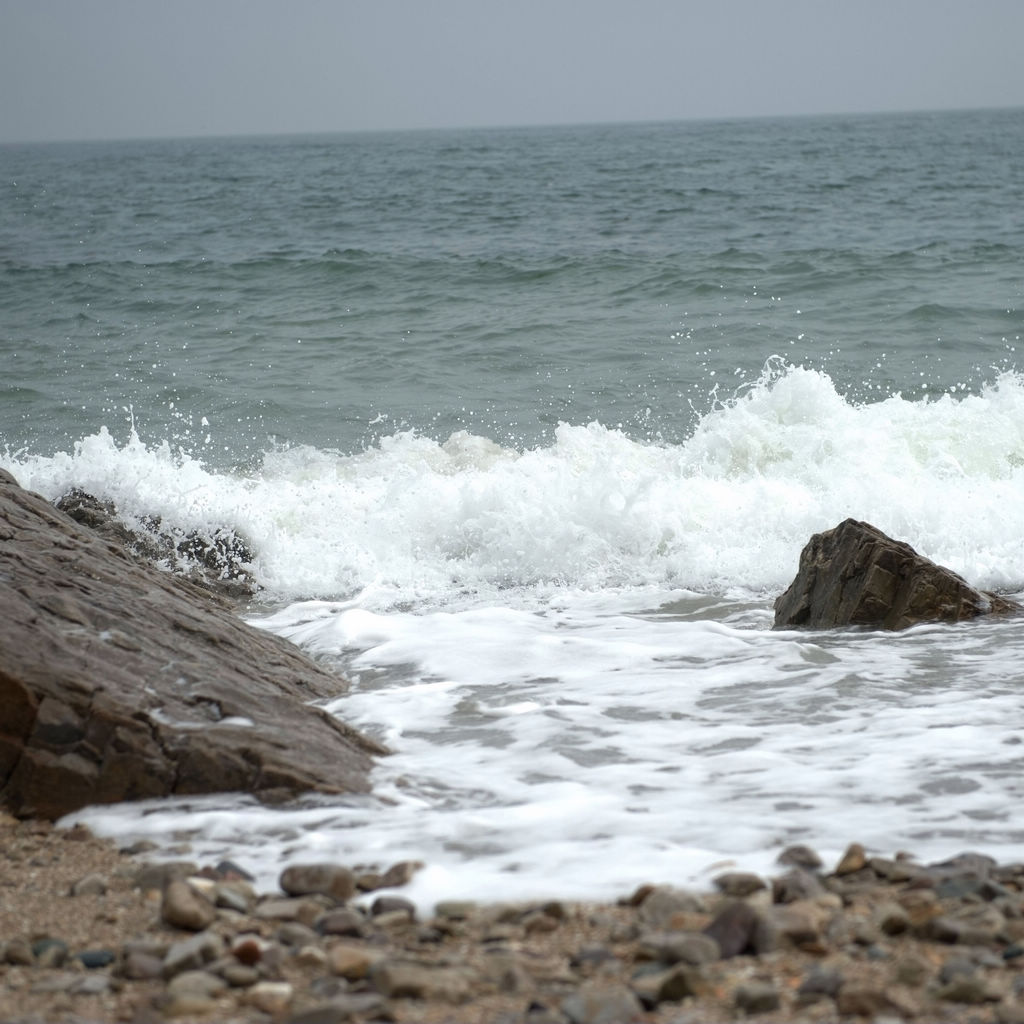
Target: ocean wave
418, 519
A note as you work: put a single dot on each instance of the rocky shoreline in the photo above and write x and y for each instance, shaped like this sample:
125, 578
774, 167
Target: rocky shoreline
92, 933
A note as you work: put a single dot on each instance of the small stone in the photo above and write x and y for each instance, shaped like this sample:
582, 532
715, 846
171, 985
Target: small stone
398, 979
183, 907
50, 952
869, 1001
820, 983
293, 933
273, 997
854, 859
892, 919
669, 908
140, 966
602, 1003
305, 911
390, 904
794, 885
539, 923
18, 952
331, 880
236, 895
351, 962
156, 876
192, 953
969, 989
739, 884
912, 971
312, 957
343, 1008
343, 921
455, 910
92, 985
800, 856
93, 959
199, 984
735, 929
955, 967
188, 1006
249, 949
692, 948
756, 997
90, 885
401, 873
669, 986
229, 871
238, 975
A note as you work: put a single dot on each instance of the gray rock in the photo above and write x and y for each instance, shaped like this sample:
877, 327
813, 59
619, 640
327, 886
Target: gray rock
196, 983
970, 989
855, 575
739, 884
393, 904
692, 948
664, 906
192, 953
156, 876
340, 1009
331, 880
797, 884
17, 952
295, 934
91, 885
669, 986
800, 856
343, 921
94, 959
602, 1003
736, 928
820, 983
892, 919
184, 907
50, 952
140, 966
756, 997
399, 979
92, 985
853, 860
81, 622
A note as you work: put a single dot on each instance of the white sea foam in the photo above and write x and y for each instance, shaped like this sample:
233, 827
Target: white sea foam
418, 520
568, 647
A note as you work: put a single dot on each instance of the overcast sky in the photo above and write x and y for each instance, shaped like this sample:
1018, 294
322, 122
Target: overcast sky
85, 69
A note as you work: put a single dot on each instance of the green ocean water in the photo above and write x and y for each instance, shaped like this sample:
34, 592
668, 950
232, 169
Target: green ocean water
332, 290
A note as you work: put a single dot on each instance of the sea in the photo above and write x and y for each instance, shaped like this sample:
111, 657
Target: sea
526, 429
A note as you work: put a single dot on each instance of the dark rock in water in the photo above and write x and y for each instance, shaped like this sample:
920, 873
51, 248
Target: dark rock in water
121, 682
854, 575
219, 562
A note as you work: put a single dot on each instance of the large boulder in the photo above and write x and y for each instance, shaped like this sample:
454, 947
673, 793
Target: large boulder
121, 682
854, 575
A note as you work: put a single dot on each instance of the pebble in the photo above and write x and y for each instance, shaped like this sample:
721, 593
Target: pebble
739, 884
756, 997
399, 979
331, 880
669, 986
854, 859
183, 907
273, 997
192, 953
602, 1003
91, 885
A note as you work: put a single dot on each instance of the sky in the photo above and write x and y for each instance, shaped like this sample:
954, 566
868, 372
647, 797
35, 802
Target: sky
109, 69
